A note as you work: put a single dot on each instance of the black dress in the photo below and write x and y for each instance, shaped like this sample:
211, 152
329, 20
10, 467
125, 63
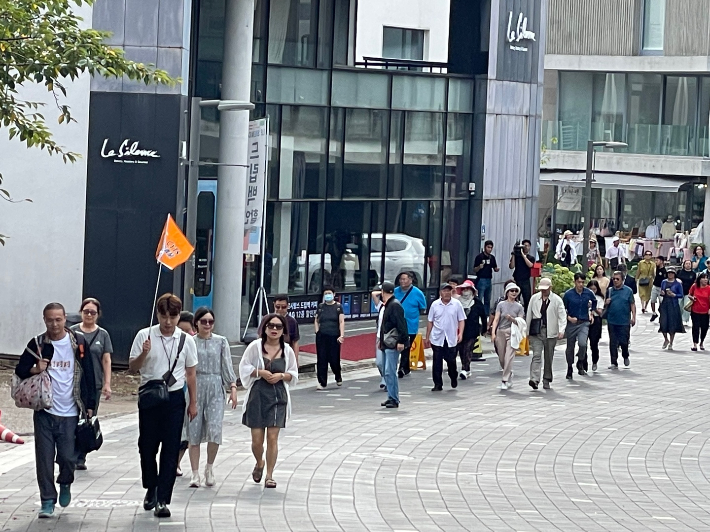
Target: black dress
266, 405
670, 321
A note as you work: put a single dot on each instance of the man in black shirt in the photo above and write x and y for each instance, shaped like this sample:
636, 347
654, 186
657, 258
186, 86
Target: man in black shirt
483, 266
521, 263
656, 288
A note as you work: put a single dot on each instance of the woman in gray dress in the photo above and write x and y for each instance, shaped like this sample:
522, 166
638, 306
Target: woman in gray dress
214, 372
267, 369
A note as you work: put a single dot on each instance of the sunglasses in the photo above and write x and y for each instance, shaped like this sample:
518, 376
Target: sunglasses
207, 322
281, 307
617, 279
274, 326
89, 312
514, 291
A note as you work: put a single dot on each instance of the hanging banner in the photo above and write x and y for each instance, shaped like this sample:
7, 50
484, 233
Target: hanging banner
256, 186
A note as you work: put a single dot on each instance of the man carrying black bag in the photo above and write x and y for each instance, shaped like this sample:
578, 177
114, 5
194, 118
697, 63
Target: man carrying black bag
166, 358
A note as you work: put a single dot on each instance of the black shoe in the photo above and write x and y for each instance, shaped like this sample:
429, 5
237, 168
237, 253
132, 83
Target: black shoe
81, 466
626, 362
392, 405
400, 373
569, 375
654, 316
387, 402
454, 382
161, 510
532, 384
437, 388
545, 385
407, 372
382, 386
151, 499
581, 371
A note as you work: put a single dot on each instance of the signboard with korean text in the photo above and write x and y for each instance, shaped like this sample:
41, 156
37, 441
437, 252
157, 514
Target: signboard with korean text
256, 185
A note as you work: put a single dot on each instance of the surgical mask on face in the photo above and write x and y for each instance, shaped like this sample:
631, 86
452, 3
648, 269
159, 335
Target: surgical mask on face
466, 296
328, 298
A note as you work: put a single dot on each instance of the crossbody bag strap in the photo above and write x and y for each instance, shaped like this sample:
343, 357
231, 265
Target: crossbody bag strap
181, 344
407, 294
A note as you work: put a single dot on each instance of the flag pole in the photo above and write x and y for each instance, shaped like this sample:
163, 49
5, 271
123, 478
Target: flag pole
155, 297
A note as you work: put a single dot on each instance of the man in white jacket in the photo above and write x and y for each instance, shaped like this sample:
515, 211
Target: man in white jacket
546, 319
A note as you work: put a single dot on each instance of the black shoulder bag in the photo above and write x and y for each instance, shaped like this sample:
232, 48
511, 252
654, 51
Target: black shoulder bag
156, 392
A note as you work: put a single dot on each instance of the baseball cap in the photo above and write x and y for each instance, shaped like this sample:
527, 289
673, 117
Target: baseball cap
445, 286
387, 287
544, 284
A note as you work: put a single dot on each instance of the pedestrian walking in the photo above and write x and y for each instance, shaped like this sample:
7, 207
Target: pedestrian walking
483, 266
330, 335
521, 262
614, 255
267, 370
165, 356
98, 342
601, 279
476, 323
546, 320
580, 303
506, 313
645, 275
379, 354
392, 340
444, 331
186, 324
215, 372
628, 280
63, 355
656, 291
699, 259
565, 251
670, 321
595, 326
593, 255
281, 303
413, 302
687, 277
620, 317
700, 312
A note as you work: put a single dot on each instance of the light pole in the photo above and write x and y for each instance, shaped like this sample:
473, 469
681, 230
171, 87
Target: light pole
588, 187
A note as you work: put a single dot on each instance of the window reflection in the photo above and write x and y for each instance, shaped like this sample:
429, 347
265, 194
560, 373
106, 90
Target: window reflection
423, 155
292, 27
365, 154
302, 158
678, 132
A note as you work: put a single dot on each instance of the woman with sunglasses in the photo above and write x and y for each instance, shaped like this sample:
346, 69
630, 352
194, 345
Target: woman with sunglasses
699, 259
214, 373
645, 274
506, 313
267, 370
100, 348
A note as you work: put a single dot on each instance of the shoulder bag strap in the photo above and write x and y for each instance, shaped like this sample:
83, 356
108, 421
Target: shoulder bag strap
407, 294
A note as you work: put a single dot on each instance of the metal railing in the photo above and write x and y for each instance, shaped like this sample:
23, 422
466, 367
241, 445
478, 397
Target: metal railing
410, 65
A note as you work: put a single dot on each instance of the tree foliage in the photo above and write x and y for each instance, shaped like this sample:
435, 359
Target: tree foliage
42, 42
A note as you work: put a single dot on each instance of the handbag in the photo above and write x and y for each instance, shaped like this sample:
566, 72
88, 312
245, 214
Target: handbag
688, 307
535, 327
35, 392
644, 282
88, 435
156, 392
391, 339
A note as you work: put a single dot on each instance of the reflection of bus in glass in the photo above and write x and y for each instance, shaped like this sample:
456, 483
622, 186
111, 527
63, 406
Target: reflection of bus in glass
204, 242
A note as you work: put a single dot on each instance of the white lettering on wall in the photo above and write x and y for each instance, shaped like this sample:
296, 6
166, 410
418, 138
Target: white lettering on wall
128, 152
519, 33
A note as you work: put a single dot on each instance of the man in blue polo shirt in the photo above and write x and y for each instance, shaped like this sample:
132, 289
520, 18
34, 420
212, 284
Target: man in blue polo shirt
579, 302
620, 317
413, 301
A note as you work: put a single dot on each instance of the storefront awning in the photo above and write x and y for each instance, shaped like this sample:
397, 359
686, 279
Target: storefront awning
613, 181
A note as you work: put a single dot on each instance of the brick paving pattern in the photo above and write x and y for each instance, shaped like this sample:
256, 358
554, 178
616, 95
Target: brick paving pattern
619, 451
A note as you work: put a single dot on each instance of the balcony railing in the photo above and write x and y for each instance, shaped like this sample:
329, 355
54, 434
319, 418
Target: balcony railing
410, 65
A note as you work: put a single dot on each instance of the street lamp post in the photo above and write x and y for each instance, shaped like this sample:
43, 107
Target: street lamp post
588, 187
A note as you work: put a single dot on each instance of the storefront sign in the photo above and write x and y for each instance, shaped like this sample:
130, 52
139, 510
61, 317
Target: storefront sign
519, 32
570, 199
256, 185
128, 153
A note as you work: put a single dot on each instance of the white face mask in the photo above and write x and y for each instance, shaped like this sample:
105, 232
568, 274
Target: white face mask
466, 296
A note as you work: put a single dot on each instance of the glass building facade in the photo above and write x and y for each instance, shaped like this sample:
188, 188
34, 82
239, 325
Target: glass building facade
369, 169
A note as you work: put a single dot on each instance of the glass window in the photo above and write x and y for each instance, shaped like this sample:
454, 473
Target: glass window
408, 227
260, 25
274, 115
402, 43
545, 205
458, 155
335, 153
394, 186
302, 164
654, 20
423, 155
575, 113
418, 93
365, 153
455, 240
292, 32
344, 32
609, 107
360, 89
703, 145
460, 95
678, 131
644, 114
297, 86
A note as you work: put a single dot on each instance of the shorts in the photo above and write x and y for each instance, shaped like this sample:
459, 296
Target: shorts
655, 293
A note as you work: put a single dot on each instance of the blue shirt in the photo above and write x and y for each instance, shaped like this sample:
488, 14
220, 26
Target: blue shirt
577, 305
619, 310
413, 305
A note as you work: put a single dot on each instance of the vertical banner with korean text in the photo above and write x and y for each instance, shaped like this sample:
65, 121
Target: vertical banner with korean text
256, 186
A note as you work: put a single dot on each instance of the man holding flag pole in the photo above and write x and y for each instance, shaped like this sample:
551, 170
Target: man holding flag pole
166, 358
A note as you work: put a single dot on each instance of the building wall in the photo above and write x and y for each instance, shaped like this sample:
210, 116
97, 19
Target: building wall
42, 260
430, 15
686, 28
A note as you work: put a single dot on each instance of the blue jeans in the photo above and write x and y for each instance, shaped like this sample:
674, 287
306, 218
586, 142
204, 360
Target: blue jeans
391, 357
484, 287
380, 363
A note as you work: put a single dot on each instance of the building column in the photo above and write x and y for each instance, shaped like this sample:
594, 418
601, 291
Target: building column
231, 178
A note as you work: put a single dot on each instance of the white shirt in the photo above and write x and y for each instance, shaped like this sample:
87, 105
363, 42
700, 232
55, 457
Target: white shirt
652, 231
614, 252
446, 320
162, 355
61, 370
380, 314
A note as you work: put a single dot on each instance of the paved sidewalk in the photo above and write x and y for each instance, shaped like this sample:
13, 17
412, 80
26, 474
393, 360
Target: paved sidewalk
624, 450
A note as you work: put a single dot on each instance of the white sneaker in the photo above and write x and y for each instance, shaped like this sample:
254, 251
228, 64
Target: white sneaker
503, 386
509, 384
209, 476
319, 387
195, 480
462, 375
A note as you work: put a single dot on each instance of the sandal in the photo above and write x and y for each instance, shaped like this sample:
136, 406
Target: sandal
257, 473
269, 483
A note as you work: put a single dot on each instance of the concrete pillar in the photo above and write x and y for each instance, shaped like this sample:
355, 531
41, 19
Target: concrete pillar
231, 178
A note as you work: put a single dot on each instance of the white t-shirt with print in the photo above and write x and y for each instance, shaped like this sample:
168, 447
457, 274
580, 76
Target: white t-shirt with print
162, 355
61, 370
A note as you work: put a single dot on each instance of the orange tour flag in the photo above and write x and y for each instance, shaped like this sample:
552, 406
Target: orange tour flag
173, 248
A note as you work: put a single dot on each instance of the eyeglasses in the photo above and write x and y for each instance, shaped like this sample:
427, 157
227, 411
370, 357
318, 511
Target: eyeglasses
87, 312
206, 322
617, 279
274, 326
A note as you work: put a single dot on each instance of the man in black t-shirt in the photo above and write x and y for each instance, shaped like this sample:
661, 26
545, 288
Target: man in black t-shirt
656, 288
521, 262
483, 266
281, 305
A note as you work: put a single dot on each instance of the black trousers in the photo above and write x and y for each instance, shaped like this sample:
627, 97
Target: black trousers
437, 369
161, 427
700, 326
619, 336
525, 291
54, 437
595, 334
404, 355
327, 353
